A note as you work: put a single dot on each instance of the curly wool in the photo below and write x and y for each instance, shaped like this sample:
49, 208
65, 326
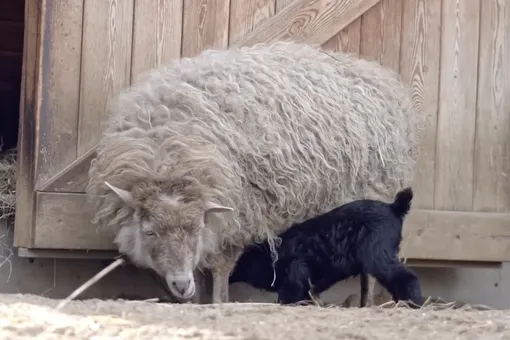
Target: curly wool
281, 132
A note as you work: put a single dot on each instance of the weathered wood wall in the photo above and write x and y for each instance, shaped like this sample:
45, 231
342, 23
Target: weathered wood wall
455, 54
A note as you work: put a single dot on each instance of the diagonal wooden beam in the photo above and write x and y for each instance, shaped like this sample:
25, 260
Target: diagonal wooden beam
73, 178
309, 21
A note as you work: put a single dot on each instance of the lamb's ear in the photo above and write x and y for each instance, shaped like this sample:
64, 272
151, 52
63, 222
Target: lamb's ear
211, 207
123, 194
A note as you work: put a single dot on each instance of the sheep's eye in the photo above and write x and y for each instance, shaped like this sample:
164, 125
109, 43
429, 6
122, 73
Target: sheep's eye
149, 232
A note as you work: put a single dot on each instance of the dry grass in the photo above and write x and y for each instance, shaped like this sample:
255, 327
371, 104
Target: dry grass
5, 250
7, 183
383, 300
7, 204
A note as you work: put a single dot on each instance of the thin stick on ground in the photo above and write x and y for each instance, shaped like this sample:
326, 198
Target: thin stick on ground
155, 300
92, 281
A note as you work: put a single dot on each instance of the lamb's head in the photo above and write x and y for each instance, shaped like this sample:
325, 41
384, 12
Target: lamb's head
167, 231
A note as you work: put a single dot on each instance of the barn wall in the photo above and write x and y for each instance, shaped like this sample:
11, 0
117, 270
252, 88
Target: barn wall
454, 54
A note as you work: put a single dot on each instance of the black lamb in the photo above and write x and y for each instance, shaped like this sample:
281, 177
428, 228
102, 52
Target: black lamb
358, 238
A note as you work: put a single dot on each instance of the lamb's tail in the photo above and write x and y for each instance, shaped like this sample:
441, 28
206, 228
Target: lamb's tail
402, 202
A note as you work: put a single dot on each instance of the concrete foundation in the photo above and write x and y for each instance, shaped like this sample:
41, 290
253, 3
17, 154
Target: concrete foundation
56, 278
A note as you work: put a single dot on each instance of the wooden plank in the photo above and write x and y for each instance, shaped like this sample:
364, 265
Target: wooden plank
453, 264
247, 14
281, 4
60, 87
374, 34
205, 26
112, 254
419, 67
63, 222
107, 40
29, 109
380, 33
456, 236
157, 33
371, 33
312, 21
68, 254
347, 40
74, 177
492, 148
457, 105
391, 25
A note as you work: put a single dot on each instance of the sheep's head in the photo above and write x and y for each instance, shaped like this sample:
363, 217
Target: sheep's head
167, 231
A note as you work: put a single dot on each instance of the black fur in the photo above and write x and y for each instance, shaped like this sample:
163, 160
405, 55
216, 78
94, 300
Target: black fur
359, 238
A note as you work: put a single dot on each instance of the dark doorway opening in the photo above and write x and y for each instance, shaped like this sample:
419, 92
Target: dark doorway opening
12, 22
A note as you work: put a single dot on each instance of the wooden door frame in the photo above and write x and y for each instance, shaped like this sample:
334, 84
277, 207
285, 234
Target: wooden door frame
29, 109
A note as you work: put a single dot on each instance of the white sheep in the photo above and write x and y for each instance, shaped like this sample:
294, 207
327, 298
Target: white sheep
208, 154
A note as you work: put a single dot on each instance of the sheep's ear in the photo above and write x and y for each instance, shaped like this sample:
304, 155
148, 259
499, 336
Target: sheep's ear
215, 208
123, 194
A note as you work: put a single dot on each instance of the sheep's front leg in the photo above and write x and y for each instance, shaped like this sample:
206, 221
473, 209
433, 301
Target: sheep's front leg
199, 287
220, 285
221, 270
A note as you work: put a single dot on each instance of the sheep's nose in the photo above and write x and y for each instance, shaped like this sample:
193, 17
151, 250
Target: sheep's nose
181, 286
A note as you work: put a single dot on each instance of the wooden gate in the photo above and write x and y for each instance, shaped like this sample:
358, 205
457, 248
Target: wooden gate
453, 53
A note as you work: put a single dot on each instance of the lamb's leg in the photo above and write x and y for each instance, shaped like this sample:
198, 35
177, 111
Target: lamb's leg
367, 283
223, 266
401, 282
364, 290
370, 291
404, 285
296, 285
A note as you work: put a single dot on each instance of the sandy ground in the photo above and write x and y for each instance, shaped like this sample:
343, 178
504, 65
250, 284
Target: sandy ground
29, 317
